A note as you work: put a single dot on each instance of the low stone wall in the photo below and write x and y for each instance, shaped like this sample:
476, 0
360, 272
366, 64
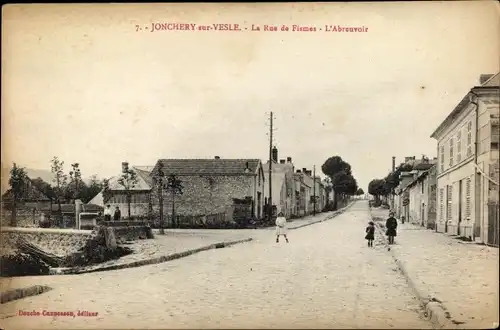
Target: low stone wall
60, 242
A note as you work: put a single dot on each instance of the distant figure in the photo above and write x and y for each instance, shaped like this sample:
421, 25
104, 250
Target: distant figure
370, 233
391, 224
280, 227
107, 213
118, 215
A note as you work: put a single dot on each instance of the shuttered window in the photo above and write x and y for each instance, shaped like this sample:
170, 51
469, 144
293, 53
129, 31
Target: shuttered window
441, 204
451, 151
441, 165
459, 146
467, 198
469, 139
448, 203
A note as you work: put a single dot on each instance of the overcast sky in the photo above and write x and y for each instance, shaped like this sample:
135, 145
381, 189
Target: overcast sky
78, 82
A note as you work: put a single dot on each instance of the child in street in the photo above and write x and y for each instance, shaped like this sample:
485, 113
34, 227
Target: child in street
370, 233
280, 227
391, 225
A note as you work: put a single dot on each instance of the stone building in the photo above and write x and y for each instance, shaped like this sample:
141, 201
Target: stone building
421, 198
467, 142
213, 186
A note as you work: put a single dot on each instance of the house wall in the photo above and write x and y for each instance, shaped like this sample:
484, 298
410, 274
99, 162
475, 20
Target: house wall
212, 195
456, 148
139, 206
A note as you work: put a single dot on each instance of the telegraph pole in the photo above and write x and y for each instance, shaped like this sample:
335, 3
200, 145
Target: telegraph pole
314, 190
270, 199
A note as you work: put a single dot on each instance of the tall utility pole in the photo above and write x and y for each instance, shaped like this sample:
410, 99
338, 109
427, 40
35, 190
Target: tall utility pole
314, 190
270, 199
392, 190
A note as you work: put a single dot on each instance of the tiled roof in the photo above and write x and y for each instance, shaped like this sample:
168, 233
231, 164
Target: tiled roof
209, 166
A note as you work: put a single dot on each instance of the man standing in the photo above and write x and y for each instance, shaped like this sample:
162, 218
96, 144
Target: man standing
118, 215
107, 213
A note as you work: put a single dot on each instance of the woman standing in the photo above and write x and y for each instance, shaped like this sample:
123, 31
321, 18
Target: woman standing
280, 227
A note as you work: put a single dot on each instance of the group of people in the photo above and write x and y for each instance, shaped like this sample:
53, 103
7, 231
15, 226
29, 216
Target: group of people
117, 215
391, 225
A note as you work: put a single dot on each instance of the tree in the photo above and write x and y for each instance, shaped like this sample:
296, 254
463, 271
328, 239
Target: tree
44, 187
106, 191
377, 188
338, 170
128, 180
90, 190
175, 187
18, 185
360, 192
159, 180
76, 185
60, 180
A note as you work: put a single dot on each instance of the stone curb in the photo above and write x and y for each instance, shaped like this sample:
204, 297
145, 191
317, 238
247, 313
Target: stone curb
335, 213
157, 260
435, 311
16, 294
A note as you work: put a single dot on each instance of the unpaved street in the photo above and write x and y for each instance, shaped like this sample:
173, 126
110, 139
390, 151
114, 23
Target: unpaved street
326, 277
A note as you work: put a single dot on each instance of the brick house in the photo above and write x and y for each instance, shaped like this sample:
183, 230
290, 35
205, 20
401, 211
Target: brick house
467, 143
213, 186
283, 186
140, 205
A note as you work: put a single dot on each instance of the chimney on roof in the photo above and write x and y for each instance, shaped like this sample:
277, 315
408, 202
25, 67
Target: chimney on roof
275, 154
289, 159
484, 77
298, 171
124, 167
282, 161
216, 157
304, 169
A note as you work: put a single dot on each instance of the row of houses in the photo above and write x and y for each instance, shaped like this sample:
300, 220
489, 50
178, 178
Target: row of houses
226, 187
457, 193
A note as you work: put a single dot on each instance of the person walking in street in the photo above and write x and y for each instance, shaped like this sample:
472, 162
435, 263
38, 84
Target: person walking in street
281, 227
391, 225
118, 214
370, 233
107, 213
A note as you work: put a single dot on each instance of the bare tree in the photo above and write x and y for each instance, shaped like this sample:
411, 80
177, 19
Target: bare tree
128, 180
60, 180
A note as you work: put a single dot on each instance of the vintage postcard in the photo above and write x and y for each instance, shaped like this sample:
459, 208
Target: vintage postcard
250, 165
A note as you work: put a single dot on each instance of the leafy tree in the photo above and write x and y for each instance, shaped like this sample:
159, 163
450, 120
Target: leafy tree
18, 185
360, 192
128, 180
377, 188
60, 180
90, 190
44, 187
340, 174
175, 187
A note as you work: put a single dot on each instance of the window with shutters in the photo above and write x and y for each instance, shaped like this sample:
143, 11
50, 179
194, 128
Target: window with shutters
467, 198
441, 165
469, 139
459, 146
441, 204
451, 152
448, 203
